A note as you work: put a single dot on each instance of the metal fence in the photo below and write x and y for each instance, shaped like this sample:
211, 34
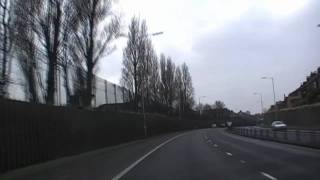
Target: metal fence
34, 133
298, 137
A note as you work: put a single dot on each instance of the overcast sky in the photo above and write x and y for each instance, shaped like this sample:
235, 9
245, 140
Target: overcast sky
230, 44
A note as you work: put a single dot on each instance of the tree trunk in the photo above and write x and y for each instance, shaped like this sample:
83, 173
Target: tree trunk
32, 86
51, 81
89, 83
4, 78
53, 55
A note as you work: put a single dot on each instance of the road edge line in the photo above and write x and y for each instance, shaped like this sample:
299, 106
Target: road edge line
268, 175
125, 171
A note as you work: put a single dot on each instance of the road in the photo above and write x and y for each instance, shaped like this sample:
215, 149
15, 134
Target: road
199, 154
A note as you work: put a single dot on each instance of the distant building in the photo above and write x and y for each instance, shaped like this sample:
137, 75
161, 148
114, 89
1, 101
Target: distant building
307, 93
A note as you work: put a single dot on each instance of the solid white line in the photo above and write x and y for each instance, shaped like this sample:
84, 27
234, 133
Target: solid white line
228, 153
268, 176
125, 171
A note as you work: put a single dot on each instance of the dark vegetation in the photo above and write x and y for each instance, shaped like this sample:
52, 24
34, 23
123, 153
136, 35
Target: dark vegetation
219, 115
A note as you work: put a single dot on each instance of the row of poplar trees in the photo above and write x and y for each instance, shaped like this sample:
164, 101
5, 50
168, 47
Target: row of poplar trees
151, 80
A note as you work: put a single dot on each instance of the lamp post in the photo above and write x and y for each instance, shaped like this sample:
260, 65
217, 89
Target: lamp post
145, 127
274, 96
261, 102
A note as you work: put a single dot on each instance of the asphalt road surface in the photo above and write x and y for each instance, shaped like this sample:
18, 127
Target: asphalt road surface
200, 154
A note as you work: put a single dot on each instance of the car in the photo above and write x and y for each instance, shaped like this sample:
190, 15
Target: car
278, 125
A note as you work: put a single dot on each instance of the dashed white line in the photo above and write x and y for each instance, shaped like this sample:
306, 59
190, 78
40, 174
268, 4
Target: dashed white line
125, 171
242, 161
229, 154
268, 176
215, 145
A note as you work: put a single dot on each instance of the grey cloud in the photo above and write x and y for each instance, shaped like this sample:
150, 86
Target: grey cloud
231, 62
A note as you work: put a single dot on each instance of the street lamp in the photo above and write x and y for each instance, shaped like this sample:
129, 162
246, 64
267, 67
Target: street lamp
274, 94
156, 33
260, 94
199, 103
147, 35
142, 93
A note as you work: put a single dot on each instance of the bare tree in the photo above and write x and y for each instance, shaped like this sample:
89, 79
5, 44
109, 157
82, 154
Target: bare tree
167, 71
170, 72
188, 90
219, 105
154, 79
134, 60
49, 17
207, 107
26, 51
79, 79
45, 18
150, 71
6, 43
67, 60
93, 41
150, 82
48, 25
163, 87
178, 89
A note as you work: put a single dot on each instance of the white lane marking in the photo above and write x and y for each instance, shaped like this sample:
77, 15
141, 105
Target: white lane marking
215, 145
268, 176
229, 154
206, 137
242, 161
125, 171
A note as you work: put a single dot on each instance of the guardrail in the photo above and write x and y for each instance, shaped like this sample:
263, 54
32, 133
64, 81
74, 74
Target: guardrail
297, 137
